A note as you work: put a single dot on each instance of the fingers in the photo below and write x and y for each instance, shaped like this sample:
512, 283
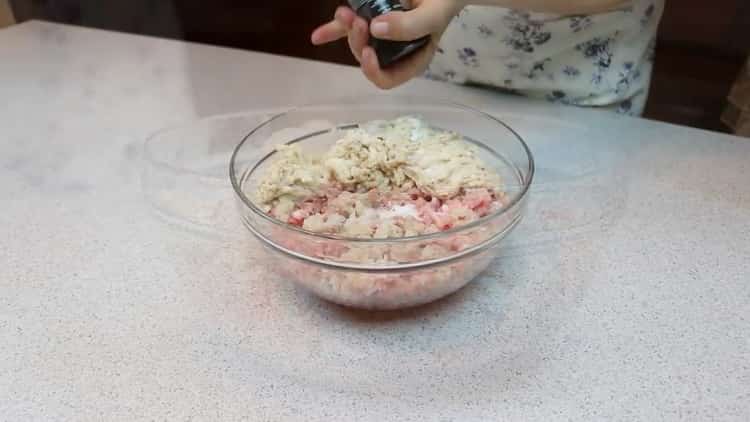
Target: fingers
358, 37
345, 24
430, 17
345, 15
399, 73
329, 32
335, 29
373, 72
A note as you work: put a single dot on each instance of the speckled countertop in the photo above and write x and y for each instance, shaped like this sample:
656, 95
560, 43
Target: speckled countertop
625, 294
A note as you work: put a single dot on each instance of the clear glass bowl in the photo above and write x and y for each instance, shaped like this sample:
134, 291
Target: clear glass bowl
184, 172
381, 274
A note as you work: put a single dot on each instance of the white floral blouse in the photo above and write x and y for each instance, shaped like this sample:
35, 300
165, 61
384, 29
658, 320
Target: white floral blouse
601, 60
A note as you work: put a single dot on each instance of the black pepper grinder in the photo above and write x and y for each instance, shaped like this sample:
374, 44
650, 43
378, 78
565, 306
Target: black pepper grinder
388, 51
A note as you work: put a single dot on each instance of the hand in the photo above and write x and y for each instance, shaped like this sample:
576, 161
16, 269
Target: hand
429, 17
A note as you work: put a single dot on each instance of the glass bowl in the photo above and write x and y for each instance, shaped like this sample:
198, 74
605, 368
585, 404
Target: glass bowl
381, 274
184, 172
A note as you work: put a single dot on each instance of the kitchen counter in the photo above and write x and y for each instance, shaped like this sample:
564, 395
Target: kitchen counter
624, 294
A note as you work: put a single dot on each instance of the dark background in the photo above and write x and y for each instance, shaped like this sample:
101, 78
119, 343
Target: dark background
702, 45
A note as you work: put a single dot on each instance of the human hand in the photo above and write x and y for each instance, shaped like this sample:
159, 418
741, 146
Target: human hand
428, 17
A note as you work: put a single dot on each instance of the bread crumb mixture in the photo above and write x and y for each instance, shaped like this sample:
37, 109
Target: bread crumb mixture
383, 179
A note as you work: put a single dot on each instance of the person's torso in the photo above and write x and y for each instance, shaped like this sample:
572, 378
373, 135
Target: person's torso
594, 60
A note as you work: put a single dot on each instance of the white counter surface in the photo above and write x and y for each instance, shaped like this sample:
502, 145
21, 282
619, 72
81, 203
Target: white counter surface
625, 294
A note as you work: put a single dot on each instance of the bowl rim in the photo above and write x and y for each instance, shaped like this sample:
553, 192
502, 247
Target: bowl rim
519, 198
148, 148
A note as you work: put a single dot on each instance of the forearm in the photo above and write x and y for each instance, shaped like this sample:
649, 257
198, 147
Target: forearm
560, 7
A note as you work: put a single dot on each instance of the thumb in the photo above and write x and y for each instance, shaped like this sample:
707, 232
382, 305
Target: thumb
429, 17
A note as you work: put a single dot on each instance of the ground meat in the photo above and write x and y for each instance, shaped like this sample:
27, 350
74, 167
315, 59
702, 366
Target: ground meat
389, 214
384, 179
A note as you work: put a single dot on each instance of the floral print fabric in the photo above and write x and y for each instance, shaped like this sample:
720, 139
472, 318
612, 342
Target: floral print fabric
601, 60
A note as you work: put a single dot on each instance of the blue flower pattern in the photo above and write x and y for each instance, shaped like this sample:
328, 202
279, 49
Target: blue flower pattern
537, 69
525, 33
580, 23
468, 57
485, 31
599, 51
594, 60
571, 72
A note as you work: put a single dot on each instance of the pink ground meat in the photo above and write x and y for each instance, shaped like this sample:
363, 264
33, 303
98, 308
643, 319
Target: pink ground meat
392, 214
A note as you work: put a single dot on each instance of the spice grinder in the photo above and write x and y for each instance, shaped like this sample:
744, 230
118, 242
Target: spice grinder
387, 51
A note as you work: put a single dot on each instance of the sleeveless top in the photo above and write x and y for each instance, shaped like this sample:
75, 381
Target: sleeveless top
602, 60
